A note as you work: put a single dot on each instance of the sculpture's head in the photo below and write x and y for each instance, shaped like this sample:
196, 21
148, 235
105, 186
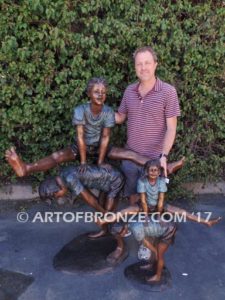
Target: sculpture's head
52, 187
152, 169
96, 90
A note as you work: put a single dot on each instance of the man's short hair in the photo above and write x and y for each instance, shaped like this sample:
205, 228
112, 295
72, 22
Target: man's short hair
146, 49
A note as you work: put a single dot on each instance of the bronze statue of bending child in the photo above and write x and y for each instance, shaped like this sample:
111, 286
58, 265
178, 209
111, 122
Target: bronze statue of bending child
104, 178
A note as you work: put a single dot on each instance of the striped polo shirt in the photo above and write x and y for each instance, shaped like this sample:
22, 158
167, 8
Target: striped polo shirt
146, 117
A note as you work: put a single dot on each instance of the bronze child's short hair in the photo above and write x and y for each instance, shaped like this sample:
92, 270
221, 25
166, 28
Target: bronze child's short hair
152, 163
47, 188
96, 80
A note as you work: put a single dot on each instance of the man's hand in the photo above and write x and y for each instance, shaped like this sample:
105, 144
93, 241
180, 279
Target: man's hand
120, 118
163, 162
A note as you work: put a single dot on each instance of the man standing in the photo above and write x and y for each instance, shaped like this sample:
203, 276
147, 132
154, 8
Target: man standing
151, 108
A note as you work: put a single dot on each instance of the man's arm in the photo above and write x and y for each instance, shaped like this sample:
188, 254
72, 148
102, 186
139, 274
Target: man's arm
104, 144
171, 124
81, 144
120, 118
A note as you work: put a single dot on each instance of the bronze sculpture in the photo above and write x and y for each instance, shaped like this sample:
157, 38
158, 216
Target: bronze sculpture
104, 178
93, 123
152, 189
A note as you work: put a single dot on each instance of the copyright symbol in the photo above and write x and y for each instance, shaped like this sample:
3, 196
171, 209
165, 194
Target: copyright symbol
22, 217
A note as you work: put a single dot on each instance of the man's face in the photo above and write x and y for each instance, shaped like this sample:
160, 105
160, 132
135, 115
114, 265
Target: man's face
145, 66
98, 94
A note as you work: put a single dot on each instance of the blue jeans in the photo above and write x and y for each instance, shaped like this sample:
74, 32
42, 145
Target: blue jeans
132, 173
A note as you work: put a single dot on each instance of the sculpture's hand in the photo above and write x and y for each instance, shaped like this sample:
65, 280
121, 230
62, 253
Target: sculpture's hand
106, 166
82, 168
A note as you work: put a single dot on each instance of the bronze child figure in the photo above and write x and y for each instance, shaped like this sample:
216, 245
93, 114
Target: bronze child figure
104, 178
93, 121
155, 234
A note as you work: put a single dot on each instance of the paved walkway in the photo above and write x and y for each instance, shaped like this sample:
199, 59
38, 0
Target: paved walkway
196, 261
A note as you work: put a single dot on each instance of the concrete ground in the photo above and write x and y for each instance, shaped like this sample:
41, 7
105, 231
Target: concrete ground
196, 260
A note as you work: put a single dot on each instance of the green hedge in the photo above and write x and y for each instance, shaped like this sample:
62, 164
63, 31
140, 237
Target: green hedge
50, 49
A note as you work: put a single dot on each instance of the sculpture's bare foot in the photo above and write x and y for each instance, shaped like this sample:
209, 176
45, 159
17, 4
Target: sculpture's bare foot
96, 235
154, 278
15, 162
116, 256
213, 222
173, 167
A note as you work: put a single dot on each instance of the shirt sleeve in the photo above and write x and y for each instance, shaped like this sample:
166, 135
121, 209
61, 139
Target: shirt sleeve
74, 184
123, 105
109, 119
141, 186
162, 185
78, 116
172, 108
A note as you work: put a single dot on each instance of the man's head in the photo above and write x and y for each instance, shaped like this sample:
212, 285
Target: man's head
51, 187
152, 169
96, 90
145, 60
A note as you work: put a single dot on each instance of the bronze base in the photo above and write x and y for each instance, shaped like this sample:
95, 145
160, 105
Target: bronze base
137, 277
13, 284
83, 254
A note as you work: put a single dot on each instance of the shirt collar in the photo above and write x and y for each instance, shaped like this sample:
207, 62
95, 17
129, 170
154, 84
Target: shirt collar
157, 87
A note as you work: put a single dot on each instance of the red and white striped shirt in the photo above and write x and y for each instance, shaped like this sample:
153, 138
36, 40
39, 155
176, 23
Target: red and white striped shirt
146, 117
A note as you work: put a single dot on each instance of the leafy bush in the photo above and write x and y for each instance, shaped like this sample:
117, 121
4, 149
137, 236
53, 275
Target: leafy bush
50, 49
